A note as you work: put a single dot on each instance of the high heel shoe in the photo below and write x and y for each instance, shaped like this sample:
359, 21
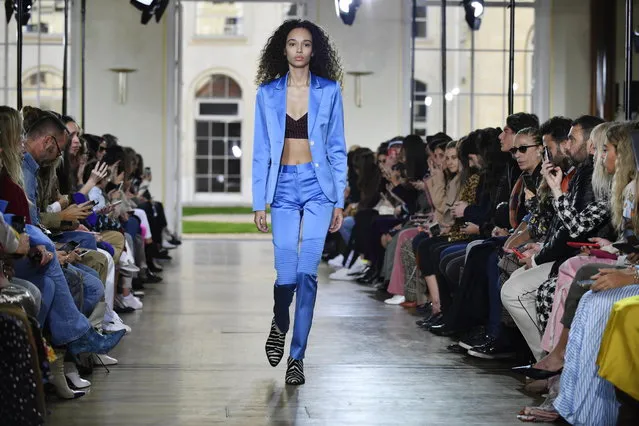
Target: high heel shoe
73, 376
59, 381
93, 342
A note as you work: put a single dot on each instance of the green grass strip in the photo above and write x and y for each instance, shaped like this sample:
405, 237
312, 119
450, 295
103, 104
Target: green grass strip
189, 227
192, 211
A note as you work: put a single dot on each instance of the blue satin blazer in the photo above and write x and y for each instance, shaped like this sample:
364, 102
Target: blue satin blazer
325, 136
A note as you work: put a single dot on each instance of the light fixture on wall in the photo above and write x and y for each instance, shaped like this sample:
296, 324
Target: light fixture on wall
150, 8
346, 10
358, 85
474, 11
123, 74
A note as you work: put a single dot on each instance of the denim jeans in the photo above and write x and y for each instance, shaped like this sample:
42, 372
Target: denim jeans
92, 286
58, 310
347, 228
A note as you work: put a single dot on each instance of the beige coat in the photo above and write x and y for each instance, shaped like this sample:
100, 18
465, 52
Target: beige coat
443, 196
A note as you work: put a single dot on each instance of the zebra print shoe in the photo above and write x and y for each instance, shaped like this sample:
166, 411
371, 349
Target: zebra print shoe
295, 372
275, 345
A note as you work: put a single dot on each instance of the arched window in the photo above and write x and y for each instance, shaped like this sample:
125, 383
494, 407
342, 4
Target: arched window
218, 135
43, 89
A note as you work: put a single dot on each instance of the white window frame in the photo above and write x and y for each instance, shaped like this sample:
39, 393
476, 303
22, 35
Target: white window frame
220, 119
239, 26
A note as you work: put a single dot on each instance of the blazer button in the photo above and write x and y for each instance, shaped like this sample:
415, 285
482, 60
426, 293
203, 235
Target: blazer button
312, 143
316, 164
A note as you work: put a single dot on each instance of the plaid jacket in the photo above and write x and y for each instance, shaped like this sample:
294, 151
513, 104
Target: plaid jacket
581, 222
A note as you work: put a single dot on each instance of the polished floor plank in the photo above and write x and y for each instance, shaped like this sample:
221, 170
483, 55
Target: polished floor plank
196, 357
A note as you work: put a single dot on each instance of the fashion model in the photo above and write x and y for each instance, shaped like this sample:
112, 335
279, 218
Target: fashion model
299, 168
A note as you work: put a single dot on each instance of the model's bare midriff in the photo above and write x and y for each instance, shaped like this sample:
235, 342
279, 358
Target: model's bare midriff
296, 151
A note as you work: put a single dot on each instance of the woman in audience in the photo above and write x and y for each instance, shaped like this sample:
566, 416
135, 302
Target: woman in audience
443, 188
615, 189
58, 312
481, 151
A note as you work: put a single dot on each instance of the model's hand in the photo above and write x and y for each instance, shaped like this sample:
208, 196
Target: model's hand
260, 221
337, 220
608, 279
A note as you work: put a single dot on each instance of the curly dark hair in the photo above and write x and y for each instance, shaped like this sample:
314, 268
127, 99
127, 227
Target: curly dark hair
325, 61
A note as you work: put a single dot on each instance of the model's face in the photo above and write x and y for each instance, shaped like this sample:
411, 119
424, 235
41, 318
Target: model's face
507, 139
529, 159
299, 47
609, 157
451, 160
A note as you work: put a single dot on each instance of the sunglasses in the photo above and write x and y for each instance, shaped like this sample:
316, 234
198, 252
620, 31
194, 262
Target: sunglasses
102, 148
522, 149
57, 146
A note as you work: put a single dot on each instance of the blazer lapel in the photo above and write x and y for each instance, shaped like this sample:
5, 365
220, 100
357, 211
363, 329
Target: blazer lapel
314, 102
279, 106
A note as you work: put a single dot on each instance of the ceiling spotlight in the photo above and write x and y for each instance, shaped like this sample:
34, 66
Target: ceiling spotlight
474, 11
346, 10
11, 7
151, 8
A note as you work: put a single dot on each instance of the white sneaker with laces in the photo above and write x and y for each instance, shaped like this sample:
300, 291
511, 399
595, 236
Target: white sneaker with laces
115, 324
395, 300
167, 245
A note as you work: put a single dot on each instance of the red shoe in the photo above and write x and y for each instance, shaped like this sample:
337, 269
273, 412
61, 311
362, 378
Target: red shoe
408, 304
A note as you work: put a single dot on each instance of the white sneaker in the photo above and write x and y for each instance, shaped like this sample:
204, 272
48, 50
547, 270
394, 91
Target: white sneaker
342, 275
358, 267
395, 300
129, 301
115, 324
337, 262
106, 359
71, 373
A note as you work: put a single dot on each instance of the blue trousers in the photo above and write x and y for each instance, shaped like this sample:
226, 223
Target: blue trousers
299, 203
93, 287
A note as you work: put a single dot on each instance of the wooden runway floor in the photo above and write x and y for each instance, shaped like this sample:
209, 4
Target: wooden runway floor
196, 357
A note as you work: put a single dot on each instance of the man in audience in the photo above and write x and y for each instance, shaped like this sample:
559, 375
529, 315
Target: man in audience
519, 292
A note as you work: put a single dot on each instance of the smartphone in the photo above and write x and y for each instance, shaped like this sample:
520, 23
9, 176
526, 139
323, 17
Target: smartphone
115, 203
82, 252
547, 154
634, 135
435, 229
626, 248
93, 202
120, 187
519, 254
70, 246
17, 223
580, 245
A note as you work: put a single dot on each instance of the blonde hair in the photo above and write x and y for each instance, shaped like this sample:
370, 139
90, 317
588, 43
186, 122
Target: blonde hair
625, 168
10, 142
601, 180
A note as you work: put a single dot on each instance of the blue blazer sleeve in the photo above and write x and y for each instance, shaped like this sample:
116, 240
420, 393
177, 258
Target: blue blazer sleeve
336, 146
261, 154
